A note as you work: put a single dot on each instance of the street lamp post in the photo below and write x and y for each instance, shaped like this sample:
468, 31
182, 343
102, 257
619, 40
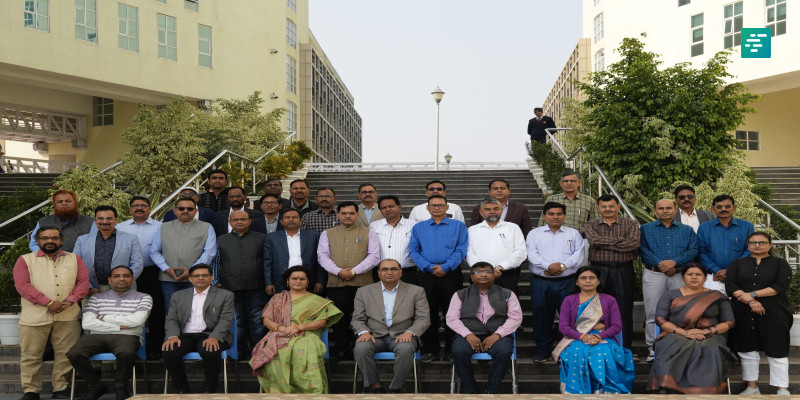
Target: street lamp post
437, 97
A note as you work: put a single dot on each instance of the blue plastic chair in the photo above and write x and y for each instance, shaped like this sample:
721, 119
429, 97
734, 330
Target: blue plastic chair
232, 353
486, 356
656, 332
324, 337
141, 354
389, 356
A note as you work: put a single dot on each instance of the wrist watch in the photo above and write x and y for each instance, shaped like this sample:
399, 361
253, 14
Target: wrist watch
753, 294
563, 267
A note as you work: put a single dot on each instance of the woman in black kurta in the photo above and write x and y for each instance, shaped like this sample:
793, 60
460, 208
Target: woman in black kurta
759, 282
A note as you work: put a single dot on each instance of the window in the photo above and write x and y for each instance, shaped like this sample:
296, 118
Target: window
36, 15
292, 4
291, 117
598, 27
733, 25
167, 37
600, 60
697, 35
128, 36
748, 140
683, 2
102, 111
204, 46
86, 20
776, 16
291, 33
190, 5
291, 74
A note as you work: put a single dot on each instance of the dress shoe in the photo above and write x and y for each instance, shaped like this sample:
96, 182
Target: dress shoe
94, 392
426, 357
30, 396
122, 393
61, 394
541, 357
395, 390
376, 390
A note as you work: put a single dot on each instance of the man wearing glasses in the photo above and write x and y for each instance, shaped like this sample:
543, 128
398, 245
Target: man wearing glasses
368, 211
687, 214
722, 240
438, 188
203, 214
236, 199
580, 207
270, 205
179, 244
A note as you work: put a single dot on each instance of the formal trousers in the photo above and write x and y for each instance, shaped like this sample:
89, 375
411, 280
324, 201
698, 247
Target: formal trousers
148, 283
439, 292
654, 284
343, 298
123, 346
618, 279
410, 275
168, 288
547, 294
248, 305
778, 369
501, 361
510, 280
364, 354
212, 361
32, 340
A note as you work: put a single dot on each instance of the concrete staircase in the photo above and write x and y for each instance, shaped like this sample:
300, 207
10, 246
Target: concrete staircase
785, 182
11, 183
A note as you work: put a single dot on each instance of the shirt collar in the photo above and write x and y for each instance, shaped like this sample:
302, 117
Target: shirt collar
383, 288
692, 214
203, 293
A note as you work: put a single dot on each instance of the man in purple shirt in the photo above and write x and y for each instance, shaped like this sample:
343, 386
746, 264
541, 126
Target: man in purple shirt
483, 317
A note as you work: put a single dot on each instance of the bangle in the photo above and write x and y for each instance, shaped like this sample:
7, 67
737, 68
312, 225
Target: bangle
278, 328
48, 304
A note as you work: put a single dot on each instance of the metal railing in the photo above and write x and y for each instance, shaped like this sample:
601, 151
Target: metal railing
415, 166
36, 166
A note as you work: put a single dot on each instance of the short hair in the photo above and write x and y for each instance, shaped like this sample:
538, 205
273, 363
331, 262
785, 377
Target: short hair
236, 187
261, 199
288, 210
499, 180
697, 265
538, 109
64, 191
105, 208
361, 186
142, 198
200, 266
480, 264
297, 268
186, 199
444, 187
217, 171
390, 260
47, 228
721, 198
568, 172
437, 196
270, 180
607, 197
388, 197
327, 188
553, 204
120, 266
681, 188
303, 181
488, 200
346, 204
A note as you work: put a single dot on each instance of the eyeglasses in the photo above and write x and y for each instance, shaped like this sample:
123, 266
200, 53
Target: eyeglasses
46, 238
437, 205
569, 180
270, 203
140, 206
436, 189
685, 196
723, 206
365, 192
190, 209
482, 272
201, 275
393, 269
758, 243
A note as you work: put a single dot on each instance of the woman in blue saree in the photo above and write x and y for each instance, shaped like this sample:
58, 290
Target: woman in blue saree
592, 362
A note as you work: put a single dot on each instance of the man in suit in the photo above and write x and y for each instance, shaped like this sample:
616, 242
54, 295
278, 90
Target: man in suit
199, 319
203, 214
108, 248
368, 210
270, 205
236, 200
388, 316
538, 124
513, 212
687, 214
289, 247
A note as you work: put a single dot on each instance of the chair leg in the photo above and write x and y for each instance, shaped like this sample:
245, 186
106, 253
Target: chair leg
729, 386
146, 382
514, 388
134, 378
225, 374
72, 390
166, 379
453, 379
417, 388
355, 377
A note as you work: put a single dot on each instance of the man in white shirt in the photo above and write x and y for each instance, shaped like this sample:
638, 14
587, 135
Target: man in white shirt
420, 212
687, 214
499, 243
394, 233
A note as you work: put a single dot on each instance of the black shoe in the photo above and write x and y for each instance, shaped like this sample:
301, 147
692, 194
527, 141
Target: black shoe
426, 357
61, 394
540, 358
395, 390
122, 393
154, 355
376, 390
94, 392
30, 396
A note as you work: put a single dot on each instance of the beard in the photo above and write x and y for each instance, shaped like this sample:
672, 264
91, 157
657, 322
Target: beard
66, 215
50, 249
493, 218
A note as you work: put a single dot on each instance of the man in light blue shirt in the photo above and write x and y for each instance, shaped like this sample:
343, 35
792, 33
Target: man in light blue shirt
722, 240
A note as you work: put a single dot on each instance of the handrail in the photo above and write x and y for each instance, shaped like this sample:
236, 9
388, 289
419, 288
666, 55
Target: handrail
611, 187
34, 165
779, 214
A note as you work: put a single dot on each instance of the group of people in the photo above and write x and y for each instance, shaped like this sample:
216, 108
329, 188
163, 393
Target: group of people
286, 270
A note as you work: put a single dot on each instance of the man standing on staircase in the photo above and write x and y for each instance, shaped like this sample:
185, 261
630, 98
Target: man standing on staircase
538, 124
67, 218
687, 214
324, 217
300, 201
368, 211
513, 212
580, 207
216, 198
435, 187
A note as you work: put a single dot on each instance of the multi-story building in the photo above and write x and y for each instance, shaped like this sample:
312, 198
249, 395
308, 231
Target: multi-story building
693, 31
73, 72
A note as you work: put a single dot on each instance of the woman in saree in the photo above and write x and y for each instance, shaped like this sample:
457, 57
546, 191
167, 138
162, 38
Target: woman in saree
690, 353
592, 361
290, 358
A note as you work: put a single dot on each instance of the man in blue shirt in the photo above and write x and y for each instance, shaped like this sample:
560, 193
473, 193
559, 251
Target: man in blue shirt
666, 247
438, 246
722, 240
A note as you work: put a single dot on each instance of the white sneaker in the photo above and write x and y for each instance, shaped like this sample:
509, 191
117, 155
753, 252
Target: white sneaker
751, 390
783, 392
651, 355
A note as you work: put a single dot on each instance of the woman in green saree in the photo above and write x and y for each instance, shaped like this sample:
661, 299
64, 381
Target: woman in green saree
290, 358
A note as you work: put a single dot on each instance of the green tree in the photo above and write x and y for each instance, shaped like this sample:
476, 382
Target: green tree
93, 189
239, 126
662, 124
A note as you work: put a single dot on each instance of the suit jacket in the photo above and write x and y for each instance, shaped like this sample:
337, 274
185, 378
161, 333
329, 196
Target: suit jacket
362, 216
276, 257
206, 215
536, 129
702, 216
127, 252
257, 223
410, 312
517, 213
217, 313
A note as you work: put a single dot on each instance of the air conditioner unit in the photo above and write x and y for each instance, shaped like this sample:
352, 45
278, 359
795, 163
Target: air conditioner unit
79, 144
41, 147
204, 105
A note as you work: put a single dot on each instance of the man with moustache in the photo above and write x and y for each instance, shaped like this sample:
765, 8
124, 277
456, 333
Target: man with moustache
50, 281
115, 319
499, 243
67, 218
324, 217
394, 233
368, 211
236, 198
274, 187
435, 188
145, 229
203, 214
516, 213
215, 198
179, 244
687, 214
722, 240
580, 207
271, 207
289, 247
108, 248
299, 201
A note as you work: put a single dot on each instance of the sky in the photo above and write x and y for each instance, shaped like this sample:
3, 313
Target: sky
495, 61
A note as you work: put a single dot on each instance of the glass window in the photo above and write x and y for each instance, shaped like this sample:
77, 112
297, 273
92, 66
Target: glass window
292, 4
776, 16
733, 24
600, 60
204, 46
598, 27
167, 37
128, 35
102, 111
291, 74
748, 140
86, 20
291, 33
683, 2
190, 5
697, 35
291, 117
37, 15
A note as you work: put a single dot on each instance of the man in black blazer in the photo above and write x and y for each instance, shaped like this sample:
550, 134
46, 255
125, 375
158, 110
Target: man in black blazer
236, 200
687, 214
279, 256
513, 212
203, 214
186, 332
538, 124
